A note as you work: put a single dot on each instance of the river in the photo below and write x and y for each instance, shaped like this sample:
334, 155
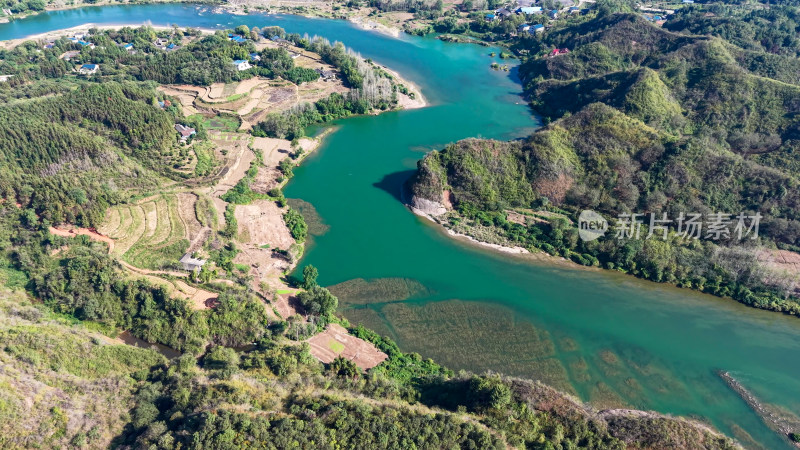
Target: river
607, 338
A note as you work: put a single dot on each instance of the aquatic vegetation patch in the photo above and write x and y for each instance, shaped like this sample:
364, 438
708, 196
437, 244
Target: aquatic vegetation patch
379, 290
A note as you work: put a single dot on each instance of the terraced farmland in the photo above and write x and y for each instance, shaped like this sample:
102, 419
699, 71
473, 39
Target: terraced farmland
149, 234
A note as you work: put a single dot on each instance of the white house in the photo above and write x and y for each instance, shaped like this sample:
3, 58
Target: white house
241, 64
191, 264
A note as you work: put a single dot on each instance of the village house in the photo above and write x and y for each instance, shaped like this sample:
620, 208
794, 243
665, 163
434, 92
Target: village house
184, 131
255, 57
161, 43
502, 13
89, 69
82, 42
538, 28
326, 74
528, 10
490, 17
128, 47
559, 51
280, 41
523, 28
574, 10
553, 14
236, 38
191, 264
241, 65
164, 104
66, 56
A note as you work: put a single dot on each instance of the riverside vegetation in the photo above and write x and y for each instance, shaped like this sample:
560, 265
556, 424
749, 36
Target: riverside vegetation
643, 119
85, 144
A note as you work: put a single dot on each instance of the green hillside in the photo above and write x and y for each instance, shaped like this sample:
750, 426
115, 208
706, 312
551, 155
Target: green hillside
639, 120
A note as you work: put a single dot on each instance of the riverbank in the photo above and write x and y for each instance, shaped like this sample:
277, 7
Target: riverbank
60, 5
405, 101
83, 29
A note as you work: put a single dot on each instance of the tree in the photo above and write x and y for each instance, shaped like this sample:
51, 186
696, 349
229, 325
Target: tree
343, 367
318, 301
310, 274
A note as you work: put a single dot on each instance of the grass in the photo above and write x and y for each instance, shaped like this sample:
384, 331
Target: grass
204, 151
234, 97
130, 231
336, 347
61, 379
226, 123
205, 211
12, 278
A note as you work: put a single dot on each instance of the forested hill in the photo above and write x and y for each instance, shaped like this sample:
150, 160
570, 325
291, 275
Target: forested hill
641, 120
73, 150
94, 392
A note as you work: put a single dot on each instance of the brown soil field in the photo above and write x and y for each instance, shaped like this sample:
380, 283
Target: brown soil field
195, 231
215, 91
265, 267
237, 159
336, 341
261, 223
784, 265
274, 150
285, 305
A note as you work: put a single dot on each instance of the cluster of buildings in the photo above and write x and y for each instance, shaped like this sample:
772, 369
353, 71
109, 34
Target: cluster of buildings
165, 44
79, 39
236, 38
528, 8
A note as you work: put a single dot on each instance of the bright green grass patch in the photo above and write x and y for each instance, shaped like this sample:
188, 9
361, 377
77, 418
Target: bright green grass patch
234, 97
222, 122
206, 162
336, 347
12, 278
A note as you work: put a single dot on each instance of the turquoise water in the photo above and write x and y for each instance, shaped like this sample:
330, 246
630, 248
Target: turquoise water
607, 338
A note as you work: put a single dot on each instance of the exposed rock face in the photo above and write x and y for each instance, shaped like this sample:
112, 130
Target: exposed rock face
425, 206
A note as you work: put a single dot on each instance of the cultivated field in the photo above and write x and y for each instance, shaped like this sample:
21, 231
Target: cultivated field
149, 234
335, 341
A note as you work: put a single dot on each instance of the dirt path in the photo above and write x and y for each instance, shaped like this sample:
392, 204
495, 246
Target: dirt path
93, 234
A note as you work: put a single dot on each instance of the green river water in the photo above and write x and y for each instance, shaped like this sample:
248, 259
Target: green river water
607, 338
